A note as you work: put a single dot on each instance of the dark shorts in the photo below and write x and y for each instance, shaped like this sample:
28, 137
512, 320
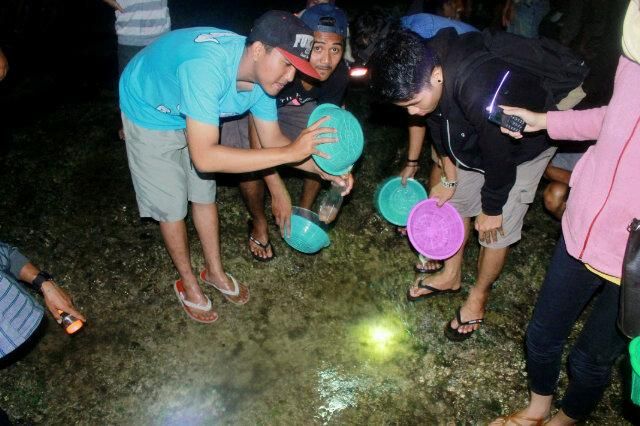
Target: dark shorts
292, 121
125, 54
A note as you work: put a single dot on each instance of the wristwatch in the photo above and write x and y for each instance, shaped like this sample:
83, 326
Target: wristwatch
42, 276
449, 184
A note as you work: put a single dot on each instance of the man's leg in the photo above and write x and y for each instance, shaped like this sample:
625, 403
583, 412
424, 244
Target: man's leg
202, 194
494, 255
235, 133
252, 191
310, 188
466, 200
177, 244
555, 198
490, 264
159, 179
450, 277
205, 219
435, 174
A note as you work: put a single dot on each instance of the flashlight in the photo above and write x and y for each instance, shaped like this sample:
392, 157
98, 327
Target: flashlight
358, 72
70, 323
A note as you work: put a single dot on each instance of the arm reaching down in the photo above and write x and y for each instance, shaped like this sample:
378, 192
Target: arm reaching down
417, 133
269, 135
209, 156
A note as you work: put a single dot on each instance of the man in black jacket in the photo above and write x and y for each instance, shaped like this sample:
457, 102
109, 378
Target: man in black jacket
486, 175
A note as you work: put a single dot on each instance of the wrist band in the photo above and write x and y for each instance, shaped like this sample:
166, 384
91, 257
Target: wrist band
37, 282
448, 183
412, 161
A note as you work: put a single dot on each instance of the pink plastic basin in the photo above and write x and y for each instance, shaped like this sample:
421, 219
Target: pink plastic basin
435, 232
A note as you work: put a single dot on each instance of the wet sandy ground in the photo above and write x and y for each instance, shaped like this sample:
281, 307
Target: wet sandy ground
325, 339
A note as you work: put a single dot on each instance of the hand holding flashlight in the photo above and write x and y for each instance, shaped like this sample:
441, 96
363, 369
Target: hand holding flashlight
61, 307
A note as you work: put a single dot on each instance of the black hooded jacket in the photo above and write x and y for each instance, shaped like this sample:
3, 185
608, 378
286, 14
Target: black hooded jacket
459, 126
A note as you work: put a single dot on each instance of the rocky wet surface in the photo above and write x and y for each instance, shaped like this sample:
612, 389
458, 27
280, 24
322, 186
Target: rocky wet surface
325, 339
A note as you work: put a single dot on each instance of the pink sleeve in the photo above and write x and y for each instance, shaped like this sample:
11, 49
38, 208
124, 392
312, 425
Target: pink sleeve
574, 125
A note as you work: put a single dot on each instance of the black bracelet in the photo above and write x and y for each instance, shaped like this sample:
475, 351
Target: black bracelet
412, 161
37, 282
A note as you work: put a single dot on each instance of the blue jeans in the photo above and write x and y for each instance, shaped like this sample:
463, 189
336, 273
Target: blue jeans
567, 289
527, 17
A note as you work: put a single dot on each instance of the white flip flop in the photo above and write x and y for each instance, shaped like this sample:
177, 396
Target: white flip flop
178, 287
230, 295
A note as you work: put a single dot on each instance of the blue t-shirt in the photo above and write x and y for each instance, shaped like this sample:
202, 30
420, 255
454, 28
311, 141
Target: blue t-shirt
189, 72
427, 25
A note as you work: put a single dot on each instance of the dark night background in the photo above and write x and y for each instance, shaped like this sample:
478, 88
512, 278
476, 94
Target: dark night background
60, 49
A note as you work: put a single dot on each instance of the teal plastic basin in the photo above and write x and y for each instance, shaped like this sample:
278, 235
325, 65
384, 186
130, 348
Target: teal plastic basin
348, 149
394, 201
308, 235
634, 357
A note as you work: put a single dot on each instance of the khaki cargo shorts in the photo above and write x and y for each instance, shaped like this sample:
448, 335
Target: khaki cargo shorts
163, 176
467, 199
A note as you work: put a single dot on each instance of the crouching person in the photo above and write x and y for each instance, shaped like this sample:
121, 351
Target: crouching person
486, 176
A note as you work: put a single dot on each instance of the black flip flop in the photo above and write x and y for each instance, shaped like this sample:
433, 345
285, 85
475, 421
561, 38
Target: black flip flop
264, 246
434, 292
453, 334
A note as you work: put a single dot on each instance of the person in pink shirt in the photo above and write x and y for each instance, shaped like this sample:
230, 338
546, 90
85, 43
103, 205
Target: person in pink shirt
603, 201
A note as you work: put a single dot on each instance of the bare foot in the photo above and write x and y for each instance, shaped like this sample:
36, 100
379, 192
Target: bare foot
428, 266
441, 281
259, 244
194, 294
472, 309
520, 418
561, 419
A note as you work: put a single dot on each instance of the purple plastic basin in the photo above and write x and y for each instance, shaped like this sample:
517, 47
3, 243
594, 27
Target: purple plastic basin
435, 232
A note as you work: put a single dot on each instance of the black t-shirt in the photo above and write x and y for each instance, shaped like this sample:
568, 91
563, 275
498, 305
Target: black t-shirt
330, 91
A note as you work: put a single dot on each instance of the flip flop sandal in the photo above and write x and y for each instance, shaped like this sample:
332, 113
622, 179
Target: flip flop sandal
434, 292
178, 287
263, 246
234, 296
453, 334
424, 269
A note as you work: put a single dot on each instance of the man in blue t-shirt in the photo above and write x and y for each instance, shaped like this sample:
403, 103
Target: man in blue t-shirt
172, 96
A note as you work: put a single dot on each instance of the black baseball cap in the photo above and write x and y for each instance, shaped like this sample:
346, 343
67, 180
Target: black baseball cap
287, 33
326, 18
